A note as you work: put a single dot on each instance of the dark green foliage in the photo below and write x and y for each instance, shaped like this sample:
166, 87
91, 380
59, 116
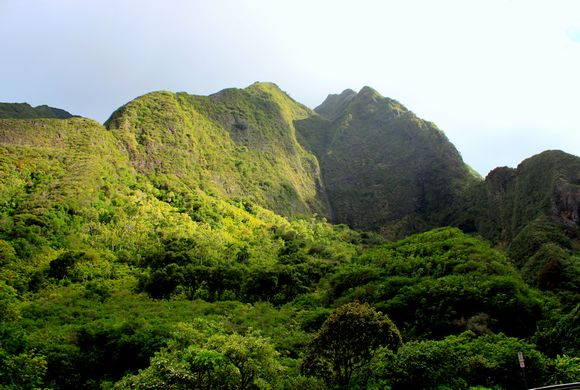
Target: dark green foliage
560, 334
210, 359
439, 283
345, 344
458, 362
383, 168
108, 352
25, 111
21, 371
547, 260
62, 266
510, 199
531, 210
532, 238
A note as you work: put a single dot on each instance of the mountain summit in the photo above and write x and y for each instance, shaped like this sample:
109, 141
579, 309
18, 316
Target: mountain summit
383, 167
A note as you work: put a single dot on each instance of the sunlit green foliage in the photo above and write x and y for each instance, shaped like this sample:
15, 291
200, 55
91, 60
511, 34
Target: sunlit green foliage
236, 142
458, 362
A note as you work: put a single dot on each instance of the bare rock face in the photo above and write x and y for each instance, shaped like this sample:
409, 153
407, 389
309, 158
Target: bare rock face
566, 203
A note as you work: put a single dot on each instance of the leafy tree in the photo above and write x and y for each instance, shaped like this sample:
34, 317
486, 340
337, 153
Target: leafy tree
561, 334
225, 361
253, 357
346, 343
458, 362
21, 371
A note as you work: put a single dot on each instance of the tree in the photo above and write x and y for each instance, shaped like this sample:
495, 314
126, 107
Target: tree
346, 342
224, 361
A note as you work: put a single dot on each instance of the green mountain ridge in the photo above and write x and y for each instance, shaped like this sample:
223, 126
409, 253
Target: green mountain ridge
26, 111
235, 142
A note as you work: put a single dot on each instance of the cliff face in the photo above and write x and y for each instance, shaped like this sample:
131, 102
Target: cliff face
565, 203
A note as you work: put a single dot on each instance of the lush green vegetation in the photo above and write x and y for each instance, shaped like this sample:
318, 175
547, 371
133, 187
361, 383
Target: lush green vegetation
532, 211
26, 111
383, 167
236, 142
152, 254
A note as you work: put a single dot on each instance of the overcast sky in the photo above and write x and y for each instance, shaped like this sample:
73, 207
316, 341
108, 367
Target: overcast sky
501, 78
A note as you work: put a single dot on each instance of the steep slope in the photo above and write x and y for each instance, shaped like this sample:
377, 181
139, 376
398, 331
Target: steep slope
50, 163
534, 211
26, 111
233, 143
383, 168
79, 226
545, 185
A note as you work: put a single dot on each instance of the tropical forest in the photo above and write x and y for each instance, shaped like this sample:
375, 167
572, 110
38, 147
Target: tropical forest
242, 240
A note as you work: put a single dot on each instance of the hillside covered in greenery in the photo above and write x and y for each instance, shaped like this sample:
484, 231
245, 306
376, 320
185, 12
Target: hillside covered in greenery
26, 111
236, 142
185, 244
383, 167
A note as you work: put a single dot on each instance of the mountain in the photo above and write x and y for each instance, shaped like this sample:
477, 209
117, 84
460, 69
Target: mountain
238, 142
534, 211
545, 185
383, 167
26, 111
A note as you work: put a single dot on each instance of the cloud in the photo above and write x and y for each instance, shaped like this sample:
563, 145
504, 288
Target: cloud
574, 34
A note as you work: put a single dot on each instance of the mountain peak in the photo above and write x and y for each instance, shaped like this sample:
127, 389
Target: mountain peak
334, 104
368, 91
266, 86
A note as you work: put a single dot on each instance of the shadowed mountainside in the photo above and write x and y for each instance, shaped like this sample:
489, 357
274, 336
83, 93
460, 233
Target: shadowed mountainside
383, 167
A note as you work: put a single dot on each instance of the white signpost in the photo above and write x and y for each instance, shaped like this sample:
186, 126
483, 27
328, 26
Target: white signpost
523, 367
